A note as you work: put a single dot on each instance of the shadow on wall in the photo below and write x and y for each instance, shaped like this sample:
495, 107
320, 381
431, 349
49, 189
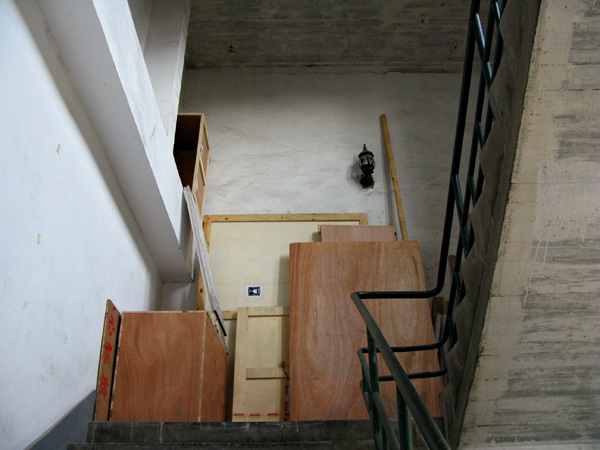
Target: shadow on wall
71, 428
80, 118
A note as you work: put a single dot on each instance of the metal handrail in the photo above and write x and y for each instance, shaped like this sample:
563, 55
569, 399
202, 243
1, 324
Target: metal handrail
407, 396
431, 433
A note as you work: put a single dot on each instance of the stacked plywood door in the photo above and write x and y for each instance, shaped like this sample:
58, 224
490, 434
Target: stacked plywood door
326, 329
170, 368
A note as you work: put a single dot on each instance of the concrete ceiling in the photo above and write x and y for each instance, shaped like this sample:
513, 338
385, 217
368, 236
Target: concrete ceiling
413, 35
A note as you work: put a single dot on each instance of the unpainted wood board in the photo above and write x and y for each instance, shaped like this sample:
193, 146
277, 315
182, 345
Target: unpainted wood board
361, 233
394, 175
205, 266
106, 365
334, 217
213, 376
202, 157
231, 338
261, 365
159, 367
256, 253
239, 378
352, 218
203, 149
326, 329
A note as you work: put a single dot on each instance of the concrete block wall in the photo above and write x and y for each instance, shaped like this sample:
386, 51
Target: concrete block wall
536, 381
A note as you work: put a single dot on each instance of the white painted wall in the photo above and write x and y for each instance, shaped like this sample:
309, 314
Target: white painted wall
68, 239
99, 47
141, 12
165, 55
286, 141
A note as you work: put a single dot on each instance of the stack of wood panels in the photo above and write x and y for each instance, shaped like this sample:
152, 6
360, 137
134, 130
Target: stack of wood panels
326, 329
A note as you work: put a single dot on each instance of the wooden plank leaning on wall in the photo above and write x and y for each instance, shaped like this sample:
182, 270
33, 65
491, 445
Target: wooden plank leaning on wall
106, 365
326, 329
261, 380
394, 175
170, 368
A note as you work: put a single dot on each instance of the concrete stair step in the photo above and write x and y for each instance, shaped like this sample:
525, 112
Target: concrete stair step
332, 434
316, 445
228, 432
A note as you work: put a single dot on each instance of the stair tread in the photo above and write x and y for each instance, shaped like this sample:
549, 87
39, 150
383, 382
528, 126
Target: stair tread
330, 445
227, 432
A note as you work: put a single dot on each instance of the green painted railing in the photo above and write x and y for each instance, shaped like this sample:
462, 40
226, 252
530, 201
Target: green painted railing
408, 399
489, 46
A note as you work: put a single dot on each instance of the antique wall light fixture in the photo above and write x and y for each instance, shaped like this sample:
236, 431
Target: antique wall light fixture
367, 165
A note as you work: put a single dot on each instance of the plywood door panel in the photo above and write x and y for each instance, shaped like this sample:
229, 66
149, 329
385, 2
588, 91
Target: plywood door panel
359, 233
261, 365
160, 372
326, 329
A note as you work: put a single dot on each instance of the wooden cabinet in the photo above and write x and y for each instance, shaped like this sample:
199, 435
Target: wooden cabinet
192, 154
170, 368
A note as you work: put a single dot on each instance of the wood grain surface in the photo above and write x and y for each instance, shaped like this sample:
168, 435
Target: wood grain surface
326, 329
169, 368
213, 376
261, 365
106, 365
361, 233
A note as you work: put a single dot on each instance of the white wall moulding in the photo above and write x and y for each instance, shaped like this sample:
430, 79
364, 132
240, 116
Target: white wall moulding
100, 49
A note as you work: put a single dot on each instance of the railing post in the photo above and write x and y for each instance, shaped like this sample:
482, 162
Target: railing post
404, 431
374, 380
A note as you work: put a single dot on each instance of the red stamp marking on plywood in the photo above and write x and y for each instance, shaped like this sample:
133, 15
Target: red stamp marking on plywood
255, 415
273, 414
107, 352
104, 386
111, 325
